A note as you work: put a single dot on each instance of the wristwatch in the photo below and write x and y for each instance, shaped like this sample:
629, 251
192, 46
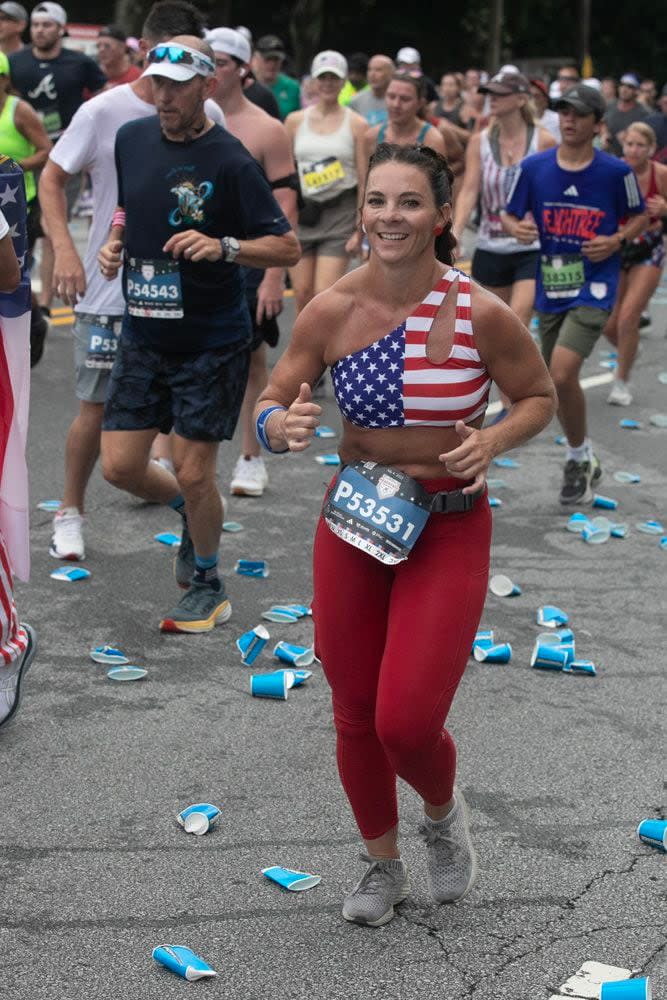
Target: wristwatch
231, 248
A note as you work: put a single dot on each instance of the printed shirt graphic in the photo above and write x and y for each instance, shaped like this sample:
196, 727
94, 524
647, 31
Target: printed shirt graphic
211, 184
606, 192
55, 87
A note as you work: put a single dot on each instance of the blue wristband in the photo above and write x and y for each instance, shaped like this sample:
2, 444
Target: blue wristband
260, 429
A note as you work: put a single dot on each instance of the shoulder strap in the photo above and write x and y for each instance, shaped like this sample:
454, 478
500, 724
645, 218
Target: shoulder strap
382, 133
422, 132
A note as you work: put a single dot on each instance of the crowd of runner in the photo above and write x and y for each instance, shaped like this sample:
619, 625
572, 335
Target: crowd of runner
214, 178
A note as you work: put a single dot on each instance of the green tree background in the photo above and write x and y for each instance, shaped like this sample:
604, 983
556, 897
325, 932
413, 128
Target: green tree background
448, 38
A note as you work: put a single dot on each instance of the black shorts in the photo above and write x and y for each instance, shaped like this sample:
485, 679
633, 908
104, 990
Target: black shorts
198, 395
267, 331
33, 224
499, 270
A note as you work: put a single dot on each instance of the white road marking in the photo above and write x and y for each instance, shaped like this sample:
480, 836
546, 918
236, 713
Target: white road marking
589, 382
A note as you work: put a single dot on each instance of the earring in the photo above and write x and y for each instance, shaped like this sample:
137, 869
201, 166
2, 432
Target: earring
363, 228
438, 230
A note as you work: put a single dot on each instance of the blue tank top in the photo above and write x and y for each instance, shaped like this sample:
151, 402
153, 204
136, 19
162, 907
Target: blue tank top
420, 138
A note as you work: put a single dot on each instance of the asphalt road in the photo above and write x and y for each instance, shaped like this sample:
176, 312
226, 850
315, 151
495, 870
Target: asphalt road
558, 769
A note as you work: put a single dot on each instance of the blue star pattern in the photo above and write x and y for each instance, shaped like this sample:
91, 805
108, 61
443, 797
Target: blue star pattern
13, 207
369, 383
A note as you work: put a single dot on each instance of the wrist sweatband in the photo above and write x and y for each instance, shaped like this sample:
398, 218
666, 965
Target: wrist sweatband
260, 429
118, 218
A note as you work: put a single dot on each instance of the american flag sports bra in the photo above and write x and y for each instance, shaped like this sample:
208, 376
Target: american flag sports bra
392, 383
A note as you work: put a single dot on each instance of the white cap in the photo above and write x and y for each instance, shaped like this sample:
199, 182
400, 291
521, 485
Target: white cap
49, 11
200, 65
509, 68
408, 55
229, 43
329, 62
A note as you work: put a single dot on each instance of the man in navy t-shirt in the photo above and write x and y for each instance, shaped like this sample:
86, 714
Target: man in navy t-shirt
192, 206
575, 199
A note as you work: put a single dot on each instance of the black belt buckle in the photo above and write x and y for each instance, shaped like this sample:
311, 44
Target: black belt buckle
453, 502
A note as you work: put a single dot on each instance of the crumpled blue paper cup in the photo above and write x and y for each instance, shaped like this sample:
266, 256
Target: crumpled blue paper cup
502, 653
273, 685
627, 989
108, 655
298, 656
183, 961
199, 818
551, 616
251, 643
502, 586
653, 832
549, 656
292, 880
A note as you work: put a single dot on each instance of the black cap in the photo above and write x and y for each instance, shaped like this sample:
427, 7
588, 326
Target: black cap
503, 84
112, 31
585, 101
270, 45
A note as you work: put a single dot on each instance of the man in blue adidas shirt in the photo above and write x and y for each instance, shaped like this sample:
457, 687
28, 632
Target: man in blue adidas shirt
576, 199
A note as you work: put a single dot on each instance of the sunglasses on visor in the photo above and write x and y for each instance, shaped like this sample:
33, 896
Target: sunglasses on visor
177, 54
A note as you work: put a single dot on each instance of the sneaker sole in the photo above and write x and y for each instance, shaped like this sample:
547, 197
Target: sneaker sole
381, 921
221, 614
70, 557
28, 657
588, 495
245, 491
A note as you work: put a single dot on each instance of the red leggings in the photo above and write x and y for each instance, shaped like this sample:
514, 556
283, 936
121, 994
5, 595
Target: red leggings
394, 641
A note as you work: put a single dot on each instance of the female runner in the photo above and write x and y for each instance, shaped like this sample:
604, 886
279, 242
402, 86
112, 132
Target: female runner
413, 346
330, 156
642, 260
406, 101
500, 263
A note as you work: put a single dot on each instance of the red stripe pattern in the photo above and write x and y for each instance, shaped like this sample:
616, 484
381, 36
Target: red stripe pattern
392, 383
13, 640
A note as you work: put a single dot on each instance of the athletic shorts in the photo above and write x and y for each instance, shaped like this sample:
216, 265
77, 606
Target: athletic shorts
94, 356
578, 329
336, 224
499, 270
267, 331
33, 224
197, 395
72, 191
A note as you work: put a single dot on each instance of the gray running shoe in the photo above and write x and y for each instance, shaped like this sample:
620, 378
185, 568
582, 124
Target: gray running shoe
451, 861
200, 609
184, 563
11, 678
384, 884
579, 478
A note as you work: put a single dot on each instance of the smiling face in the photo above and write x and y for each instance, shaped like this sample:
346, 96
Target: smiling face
501, 105
399, 212
329, 86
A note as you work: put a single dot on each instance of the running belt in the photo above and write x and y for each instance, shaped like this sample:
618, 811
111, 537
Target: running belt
392, 383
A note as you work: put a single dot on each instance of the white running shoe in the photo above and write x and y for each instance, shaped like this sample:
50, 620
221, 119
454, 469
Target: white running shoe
250, 477
620, 394
67, 539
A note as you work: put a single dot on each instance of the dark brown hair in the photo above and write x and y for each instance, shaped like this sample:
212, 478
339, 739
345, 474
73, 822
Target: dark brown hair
440, 177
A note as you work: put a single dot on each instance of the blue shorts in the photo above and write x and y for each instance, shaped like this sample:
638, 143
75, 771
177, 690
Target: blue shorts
199, 395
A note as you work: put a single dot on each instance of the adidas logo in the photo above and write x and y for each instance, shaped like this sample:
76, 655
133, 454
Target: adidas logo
571, 191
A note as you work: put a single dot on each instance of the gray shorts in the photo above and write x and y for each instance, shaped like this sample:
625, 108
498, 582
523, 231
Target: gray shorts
333, 229
95, 344
578, 329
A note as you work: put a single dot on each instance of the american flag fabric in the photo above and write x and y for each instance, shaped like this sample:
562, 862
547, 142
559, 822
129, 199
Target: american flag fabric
392, 383
14, 381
